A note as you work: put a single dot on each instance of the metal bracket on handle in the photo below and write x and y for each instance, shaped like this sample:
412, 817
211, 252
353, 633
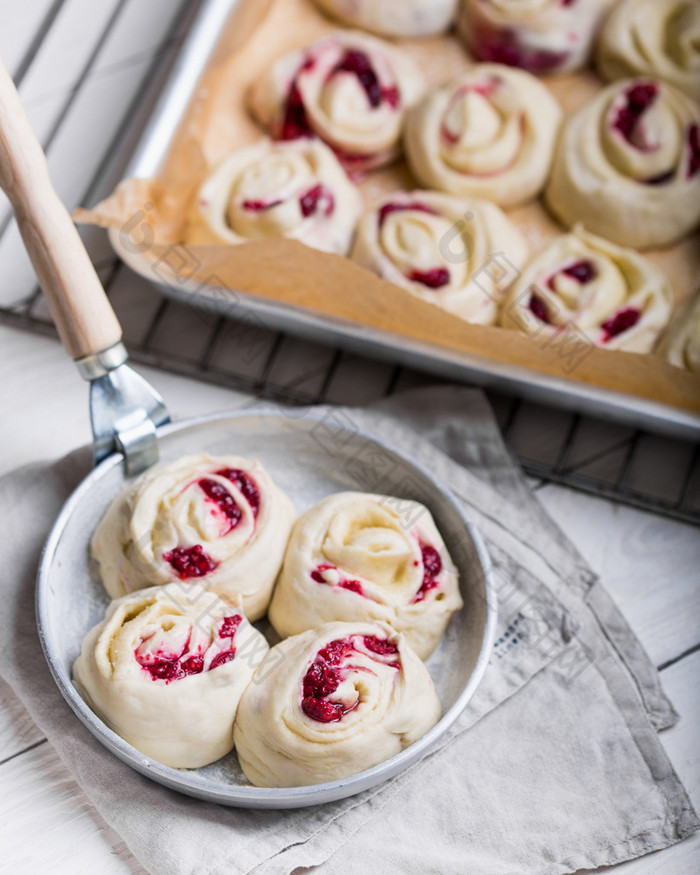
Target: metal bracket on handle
125, 410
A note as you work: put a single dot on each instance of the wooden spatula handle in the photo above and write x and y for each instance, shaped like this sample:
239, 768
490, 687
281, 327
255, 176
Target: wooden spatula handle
78, 304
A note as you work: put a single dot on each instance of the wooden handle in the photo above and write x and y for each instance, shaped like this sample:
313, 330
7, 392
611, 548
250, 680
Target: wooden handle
84, 317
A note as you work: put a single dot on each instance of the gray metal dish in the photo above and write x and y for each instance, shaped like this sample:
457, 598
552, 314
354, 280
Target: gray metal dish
309, 456
503, 376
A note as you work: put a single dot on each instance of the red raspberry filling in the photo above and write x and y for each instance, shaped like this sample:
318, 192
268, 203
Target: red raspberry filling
432, 566
223, 499
189, 562
352, 585
504, 47
318, 196
325, 674
245, 484
621, 321
539, 309
222, 658
387, 209
229, 626
173, 666
638, 100
259, 206
317, 573
295, 124
383, 648
168, 666
583, 271
435, 278
359, 64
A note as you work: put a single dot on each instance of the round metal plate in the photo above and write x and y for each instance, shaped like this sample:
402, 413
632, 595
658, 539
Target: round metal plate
309, 457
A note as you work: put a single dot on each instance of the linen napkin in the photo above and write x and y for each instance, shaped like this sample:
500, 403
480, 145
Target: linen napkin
555, 765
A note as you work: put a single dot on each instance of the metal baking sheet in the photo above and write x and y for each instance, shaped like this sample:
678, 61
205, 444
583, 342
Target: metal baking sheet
309, 456
500, 376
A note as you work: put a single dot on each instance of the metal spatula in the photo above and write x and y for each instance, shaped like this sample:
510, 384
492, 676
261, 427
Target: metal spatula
124, 409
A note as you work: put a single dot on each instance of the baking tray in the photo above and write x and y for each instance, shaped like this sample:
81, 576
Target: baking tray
473, 368
310, 456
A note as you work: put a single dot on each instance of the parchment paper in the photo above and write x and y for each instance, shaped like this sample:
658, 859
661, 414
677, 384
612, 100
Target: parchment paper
151, 214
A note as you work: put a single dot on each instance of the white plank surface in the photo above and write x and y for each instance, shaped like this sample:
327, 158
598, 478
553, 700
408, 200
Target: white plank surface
54, 822
650, 564
19, 23
95, 112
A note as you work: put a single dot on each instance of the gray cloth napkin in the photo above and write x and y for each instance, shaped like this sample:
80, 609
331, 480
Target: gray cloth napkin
561, 768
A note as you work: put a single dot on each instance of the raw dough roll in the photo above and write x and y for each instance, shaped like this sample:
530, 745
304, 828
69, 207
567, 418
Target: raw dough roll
331, 702
349, 89
455, 253
389, 18
490, 133
628, 165
296, 190
543, 36
681, 344
356, 556
658, 38
166, 669
613, 297
219, 519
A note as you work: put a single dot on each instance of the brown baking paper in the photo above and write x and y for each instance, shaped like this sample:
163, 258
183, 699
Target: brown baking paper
151, 215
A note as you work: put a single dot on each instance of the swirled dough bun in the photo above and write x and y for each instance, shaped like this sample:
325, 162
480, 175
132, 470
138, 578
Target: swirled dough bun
166, 669
349, 89
490, 133
388, 18
628, 165
659, 38
681, 344
296, 190
542, 36
580, 283
356, 556
216, 519
456, 253
331, 702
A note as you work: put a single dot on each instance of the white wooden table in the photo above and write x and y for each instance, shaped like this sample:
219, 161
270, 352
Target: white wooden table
80, 64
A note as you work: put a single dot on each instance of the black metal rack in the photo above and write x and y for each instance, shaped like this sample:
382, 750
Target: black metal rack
616, 462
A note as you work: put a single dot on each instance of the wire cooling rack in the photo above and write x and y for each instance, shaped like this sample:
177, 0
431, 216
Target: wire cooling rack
598, 457
651, 472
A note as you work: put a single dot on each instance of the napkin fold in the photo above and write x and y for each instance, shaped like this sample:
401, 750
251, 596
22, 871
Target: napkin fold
554, 766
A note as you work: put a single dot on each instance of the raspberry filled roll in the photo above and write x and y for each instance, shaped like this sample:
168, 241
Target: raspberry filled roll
456, 253
489, 133
659, 38
681, 343
357, 556
542, 36
166, 669
388, 18
349, 90
219, 521
296, 190
612, 296
628, 165
331, 702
